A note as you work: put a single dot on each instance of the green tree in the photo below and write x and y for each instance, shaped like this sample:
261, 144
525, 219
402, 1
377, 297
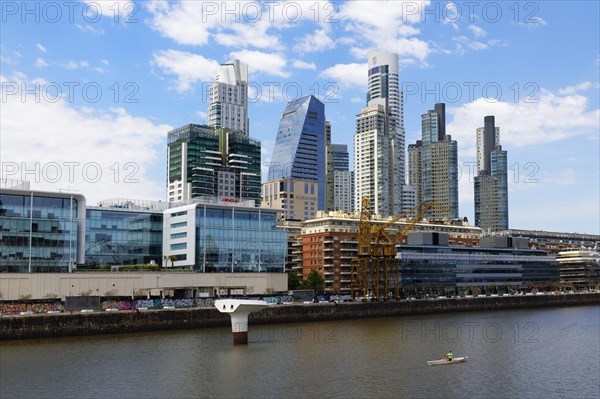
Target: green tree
314, 281
293, 281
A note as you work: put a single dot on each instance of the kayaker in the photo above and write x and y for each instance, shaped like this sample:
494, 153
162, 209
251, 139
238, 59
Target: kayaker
449, 356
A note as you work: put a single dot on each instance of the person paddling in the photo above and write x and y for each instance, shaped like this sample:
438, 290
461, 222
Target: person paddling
449, 356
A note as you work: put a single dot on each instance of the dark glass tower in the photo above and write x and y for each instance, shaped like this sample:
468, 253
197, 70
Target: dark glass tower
203, 161
299, 151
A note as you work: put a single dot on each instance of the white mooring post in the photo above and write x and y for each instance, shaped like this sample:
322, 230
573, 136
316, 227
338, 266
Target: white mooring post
238, 310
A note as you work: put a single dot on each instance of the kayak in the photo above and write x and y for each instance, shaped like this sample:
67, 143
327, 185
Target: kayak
444, 361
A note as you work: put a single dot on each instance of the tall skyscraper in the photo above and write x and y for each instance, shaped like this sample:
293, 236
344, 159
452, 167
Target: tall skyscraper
384, 84
415, 169
491, 182
373, 164
343, 179
228, 106
202, 161
299, 151
433, 164
329, 169
381, 124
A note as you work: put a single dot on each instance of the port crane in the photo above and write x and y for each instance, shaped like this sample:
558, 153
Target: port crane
376, 270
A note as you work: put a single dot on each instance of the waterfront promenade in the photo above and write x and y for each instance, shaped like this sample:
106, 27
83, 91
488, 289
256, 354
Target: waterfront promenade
72, 324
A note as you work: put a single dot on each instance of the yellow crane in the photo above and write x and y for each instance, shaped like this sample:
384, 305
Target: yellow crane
376, 270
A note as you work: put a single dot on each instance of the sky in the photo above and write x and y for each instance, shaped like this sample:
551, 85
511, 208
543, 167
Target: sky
91, 88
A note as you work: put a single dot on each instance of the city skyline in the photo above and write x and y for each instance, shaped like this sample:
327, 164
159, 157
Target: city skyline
547, 108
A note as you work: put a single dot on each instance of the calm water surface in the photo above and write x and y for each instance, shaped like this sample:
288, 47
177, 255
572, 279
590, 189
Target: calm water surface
545, 353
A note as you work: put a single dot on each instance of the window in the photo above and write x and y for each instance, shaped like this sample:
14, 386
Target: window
176, 236
180, 224
175, 247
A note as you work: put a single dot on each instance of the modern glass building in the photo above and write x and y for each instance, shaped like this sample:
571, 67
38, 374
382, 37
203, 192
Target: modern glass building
203, 161
41, 231
425, 266
299, 151
123, 236
215, 237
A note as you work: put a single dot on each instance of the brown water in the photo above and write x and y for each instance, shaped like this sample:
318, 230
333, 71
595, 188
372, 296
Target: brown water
540, 353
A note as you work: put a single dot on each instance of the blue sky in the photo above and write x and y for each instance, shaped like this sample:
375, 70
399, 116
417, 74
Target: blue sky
90, 89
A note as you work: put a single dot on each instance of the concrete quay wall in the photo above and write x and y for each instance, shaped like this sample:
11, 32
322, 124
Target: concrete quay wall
42, 326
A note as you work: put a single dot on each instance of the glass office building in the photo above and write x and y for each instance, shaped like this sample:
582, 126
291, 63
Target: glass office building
122, 236
443, 267
224, 238
203, 161
299, 151
41, 231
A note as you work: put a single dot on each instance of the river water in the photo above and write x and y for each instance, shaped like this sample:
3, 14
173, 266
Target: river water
533, 353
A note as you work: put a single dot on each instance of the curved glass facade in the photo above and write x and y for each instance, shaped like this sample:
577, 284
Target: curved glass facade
299, 150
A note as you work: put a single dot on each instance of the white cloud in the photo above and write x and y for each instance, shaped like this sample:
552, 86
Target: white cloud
347, 75
498, 42
463, 43
298, 64
477, 31
41, 48
532, 23
112, 151
9, 57
546, 118
477, 46
187, 67
357, 100
452, 15
249, 34
392, 29
237, 24
105, 62
538, 20
69, 65
76, 64
574, 89
40, 63
268, 63
318, 41
90, 29
184, 22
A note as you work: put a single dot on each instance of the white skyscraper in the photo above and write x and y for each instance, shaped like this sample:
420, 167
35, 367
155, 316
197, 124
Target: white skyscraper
373, 172
228, 106
380, 130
